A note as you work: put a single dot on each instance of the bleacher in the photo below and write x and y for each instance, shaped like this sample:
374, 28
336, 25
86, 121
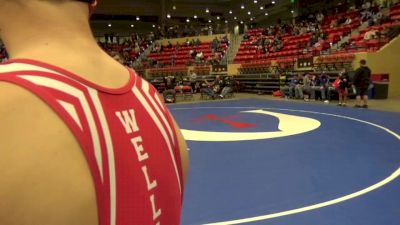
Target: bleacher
168, 71
395, 12
182, 56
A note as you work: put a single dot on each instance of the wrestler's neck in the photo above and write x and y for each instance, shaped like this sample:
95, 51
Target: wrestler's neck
59, 35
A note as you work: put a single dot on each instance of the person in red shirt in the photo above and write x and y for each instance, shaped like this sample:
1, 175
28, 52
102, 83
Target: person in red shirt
83, 139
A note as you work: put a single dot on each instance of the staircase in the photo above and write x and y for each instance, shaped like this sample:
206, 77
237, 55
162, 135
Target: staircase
146, 52
364, 25
234, 47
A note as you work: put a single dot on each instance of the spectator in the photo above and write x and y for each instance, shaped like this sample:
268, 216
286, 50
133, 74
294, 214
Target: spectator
316, 86
307, 87
227, 86
193, 81
342, 88
212, 88
320, 17
298, 89
369, 35
326, 87
169, 93
361, 82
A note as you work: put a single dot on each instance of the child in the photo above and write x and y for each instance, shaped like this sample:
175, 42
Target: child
342, 87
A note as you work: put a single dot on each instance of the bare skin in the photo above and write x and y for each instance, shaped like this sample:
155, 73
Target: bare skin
44, 176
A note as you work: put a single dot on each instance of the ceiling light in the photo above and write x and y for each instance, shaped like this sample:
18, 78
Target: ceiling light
241, 22
292, 11
109, 25
137, 18
266, 14
273, 2
261, 7
235, 18
209, 21
154, 25
132, 25
173, 7
251, 18
242, 6
249, 13
187, 20
195, 16
226, 21
207, 11
168, 16
255, 1
230, 11
218, 18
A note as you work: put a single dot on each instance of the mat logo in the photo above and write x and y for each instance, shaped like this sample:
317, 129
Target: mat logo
228, 120
288, 125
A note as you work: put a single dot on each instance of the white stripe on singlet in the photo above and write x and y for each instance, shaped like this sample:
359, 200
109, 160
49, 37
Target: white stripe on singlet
110, 153
146, 90
146, 105
68, 89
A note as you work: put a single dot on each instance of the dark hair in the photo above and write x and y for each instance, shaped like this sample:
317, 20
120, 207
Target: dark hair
363, 62
87, 1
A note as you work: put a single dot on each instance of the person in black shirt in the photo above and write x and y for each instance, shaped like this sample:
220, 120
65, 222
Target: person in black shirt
361, 82
227, 86
169, 93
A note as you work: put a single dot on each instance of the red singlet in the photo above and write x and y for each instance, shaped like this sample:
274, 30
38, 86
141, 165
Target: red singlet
126, 134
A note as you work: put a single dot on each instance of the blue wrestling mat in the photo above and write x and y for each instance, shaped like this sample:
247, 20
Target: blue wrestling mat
285, 163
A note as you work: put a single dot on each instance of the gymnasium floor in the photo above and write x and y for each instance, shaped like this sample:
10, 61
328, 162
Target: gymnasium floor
291, 163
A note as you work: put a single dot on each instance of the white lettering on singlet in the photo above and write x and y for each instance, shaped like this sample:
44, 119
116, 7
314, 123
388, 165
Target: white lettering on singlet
156, 212
150, 185
142, 155
129, 122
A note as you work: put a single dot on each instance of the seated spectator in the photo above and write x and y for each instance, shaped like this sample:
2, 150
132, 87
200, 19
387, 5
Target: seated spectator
199, 57
369, 35
169, 93
334, 24
327, 88
348, 21
298, 89
173, 60
227, 86
287, 89
193, 81
193, 53
341, 21
307, 87
317, 87
320, 17
197, 42
211, 89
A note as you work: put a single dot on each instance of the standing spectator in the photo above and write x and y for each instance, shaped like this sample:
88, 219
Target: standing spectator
343, 87
361, 82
